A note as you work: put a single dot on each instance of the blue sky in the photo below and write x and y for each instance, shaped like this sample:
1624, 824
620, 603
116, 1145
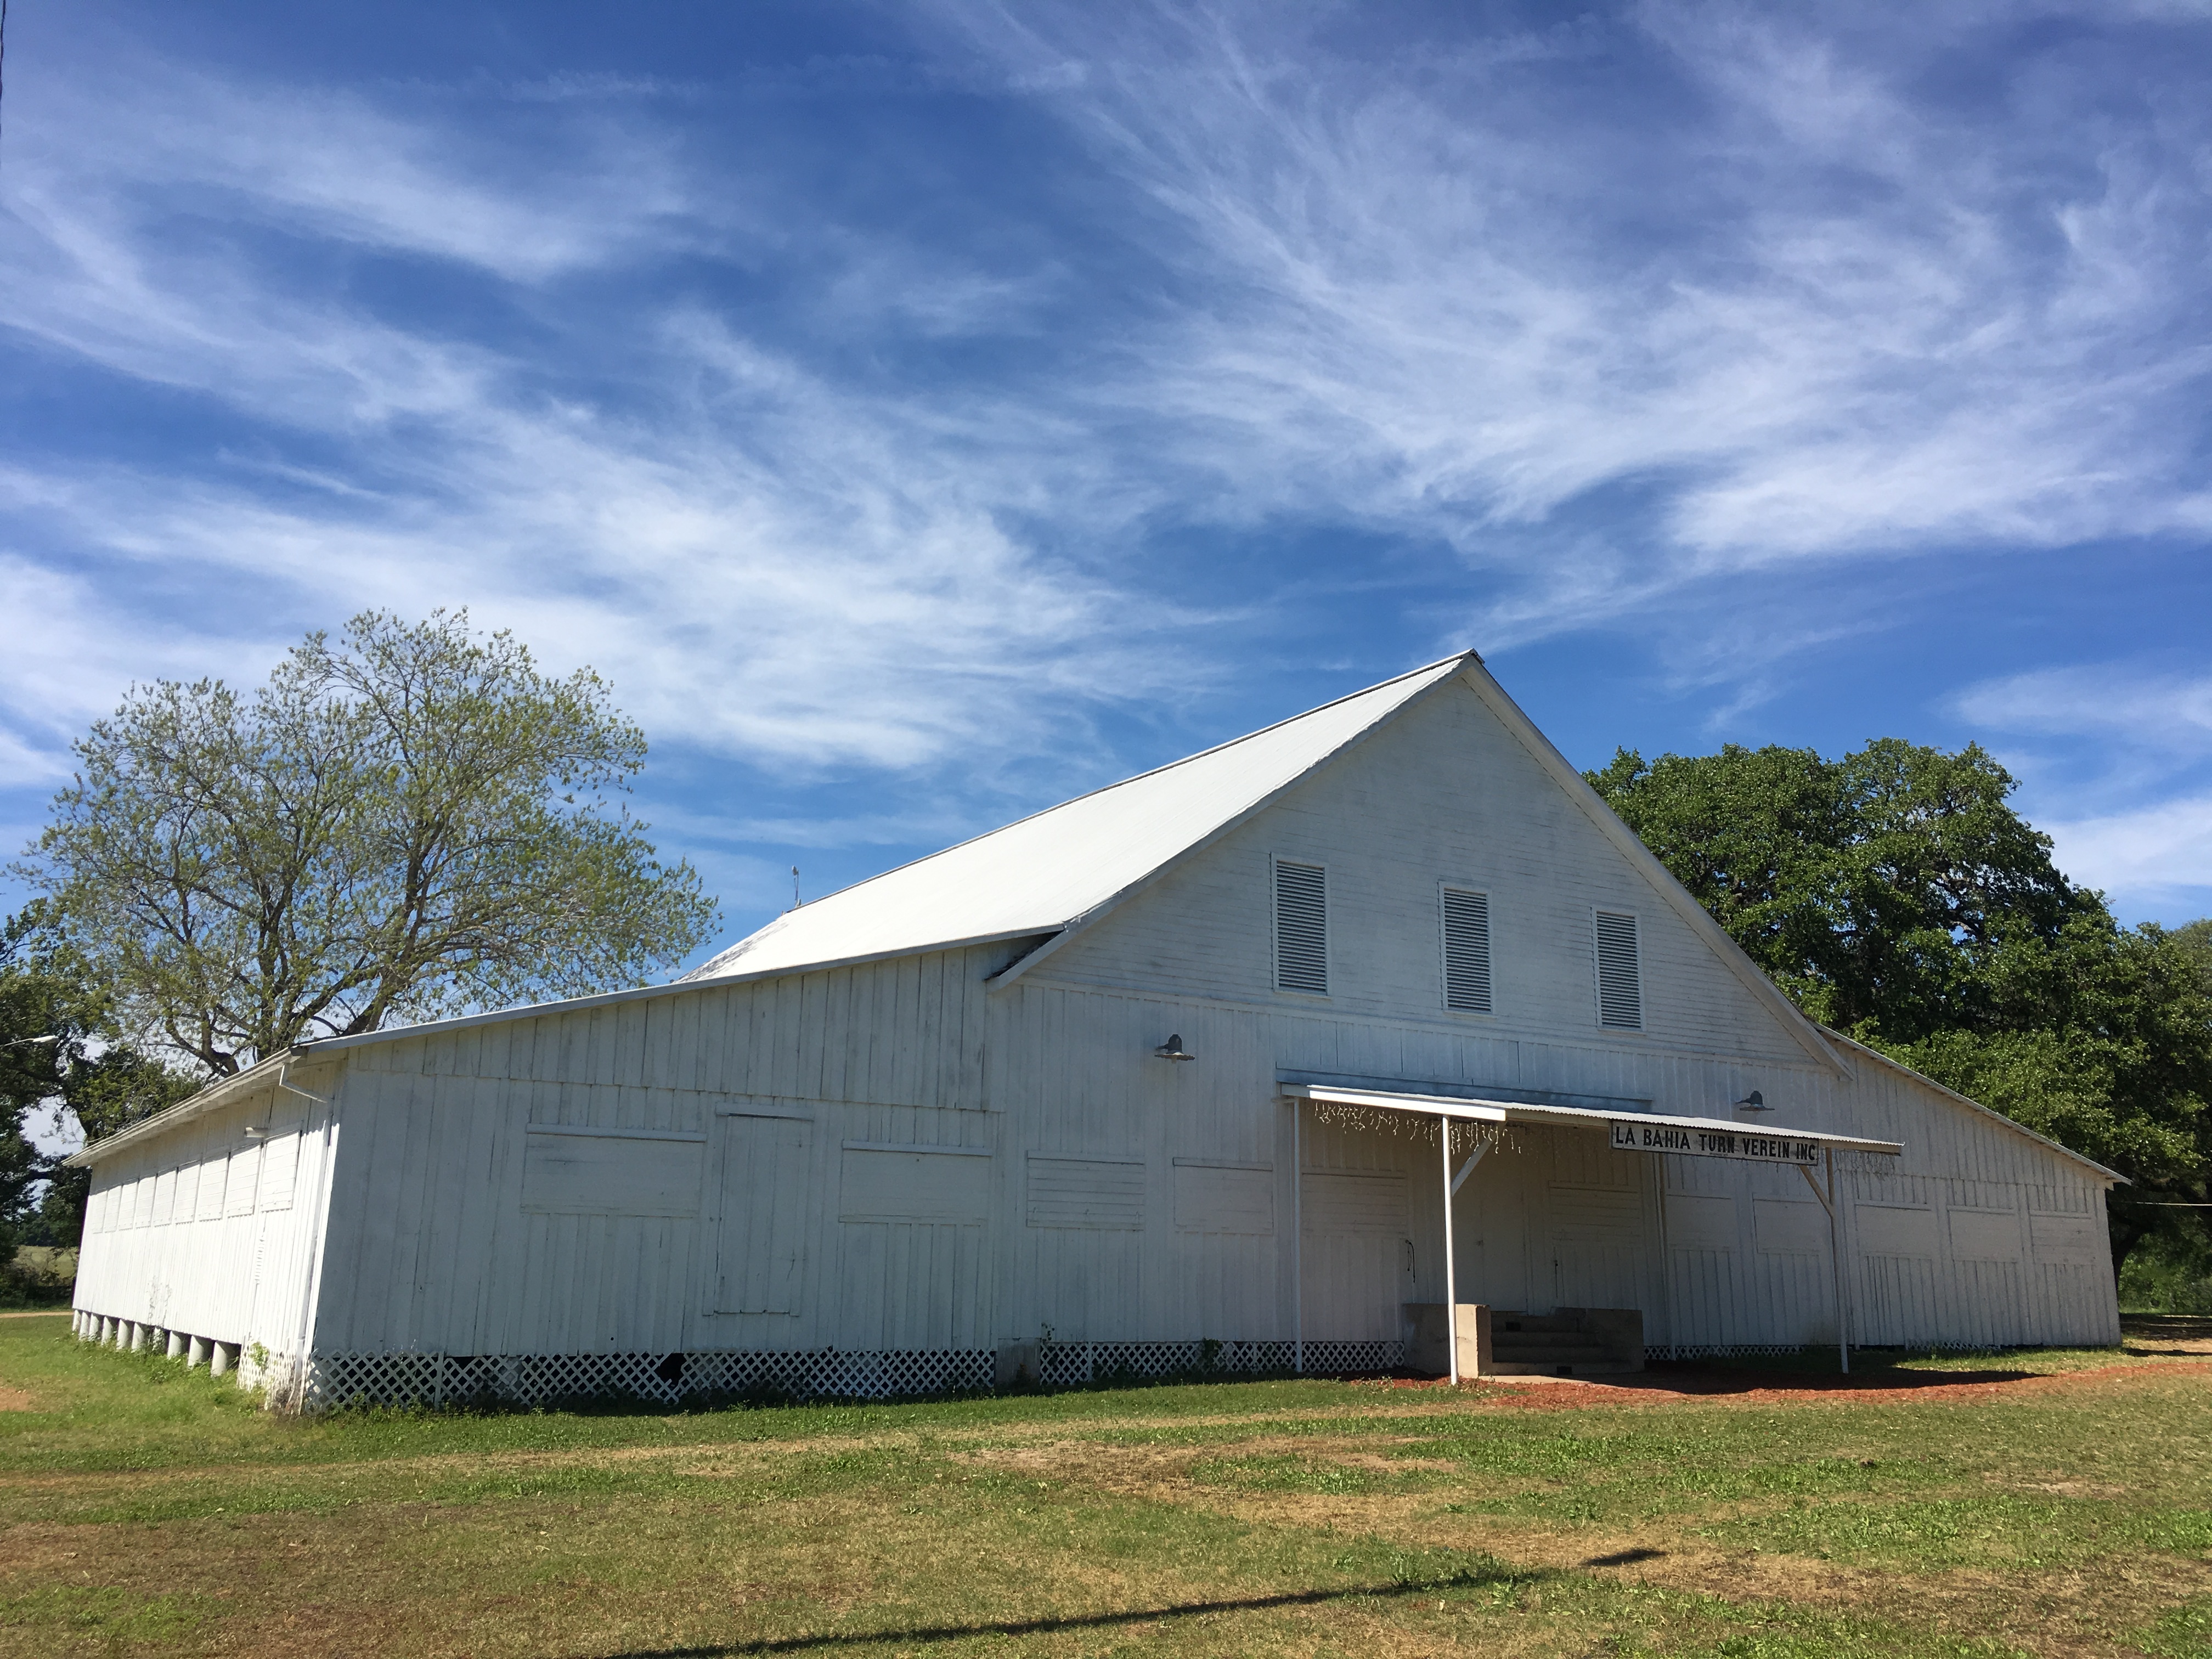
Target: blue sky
925, 412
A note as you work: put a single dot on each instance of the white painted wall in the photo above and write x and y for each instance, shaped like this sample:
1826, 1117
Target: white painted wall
898, 1156
1447, 795
441, 1242
212, 1233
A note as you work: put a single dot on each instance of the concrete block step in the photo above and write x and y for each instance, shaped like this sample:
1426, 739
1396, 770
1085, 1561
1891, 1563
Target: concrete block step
1592, 1368
1507, 1345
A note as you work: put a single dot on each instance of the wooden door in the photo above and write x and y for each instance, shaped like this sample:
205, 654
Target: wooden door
1896, 1300
1598, 1246
761, 1250
1358, 1253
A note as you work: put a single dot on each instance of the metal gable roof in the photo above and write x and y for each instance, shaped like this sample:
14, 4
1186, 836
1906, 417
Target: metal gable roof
1048, 870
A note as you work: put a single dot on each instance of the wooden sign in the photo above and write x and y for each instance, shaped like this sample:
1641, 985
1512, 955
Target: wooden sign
1631, 1136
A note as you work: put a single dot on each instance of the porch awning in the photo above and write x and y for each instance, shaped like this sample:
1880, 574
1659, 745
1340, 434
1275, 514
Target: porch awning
1709, 1137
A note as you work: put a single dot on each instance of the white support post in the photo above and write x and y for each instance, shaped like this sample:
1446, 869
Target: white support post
1451, 1272
137, 1336
196, 1352
1835, 1254
220, 1363
176, 1345
1297, 1239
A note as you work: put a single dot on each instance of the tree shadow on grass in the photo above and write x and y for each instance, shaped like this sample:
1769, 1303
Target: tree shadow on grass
2187, 1336
1398, 1589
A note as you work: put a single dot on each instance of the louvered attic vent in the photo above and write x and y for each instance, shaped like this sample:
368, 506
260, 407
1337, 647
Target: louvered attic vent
1467, 951
1301, 927
1620, 985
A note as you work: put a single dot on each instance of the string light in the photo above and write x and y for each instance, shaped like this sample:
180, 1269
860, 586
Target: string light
1418, 1126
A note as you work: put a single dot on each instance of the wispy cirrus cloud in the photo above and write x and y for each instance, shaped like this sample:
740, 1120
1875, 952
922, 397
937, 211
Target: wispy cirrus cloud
770, 563
920, 449
2120, 756
2157, 856
1804, 311
203, 148
2169, 711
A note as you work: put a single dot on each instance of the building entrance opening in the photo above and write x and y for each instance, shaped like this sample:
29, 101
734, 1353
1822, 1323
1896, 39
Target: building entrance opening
1591, 1250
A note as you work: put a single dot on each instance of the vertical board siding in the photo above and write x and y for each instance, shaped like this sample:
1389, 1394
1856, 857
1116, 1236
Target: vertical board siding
1976, 1234
204, 1232
1444, 794
433, 1251
442, 1259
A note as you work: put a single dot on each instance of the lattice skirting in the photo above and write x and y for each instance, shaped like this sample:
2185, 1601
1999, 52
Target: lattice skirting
1734, 1350
403, 1379
1061, 1363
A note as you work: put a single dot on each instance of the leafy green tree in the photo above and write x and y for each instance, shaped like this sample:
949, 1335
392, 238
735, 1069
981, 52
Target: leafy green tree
1894, 889
1896, 894
60, 1053
411, 822
2194, 940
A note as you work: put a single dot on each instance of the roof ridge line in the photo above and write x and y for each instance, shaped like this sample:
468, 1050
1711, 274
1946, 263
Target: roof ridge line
1103, 788
1074, 925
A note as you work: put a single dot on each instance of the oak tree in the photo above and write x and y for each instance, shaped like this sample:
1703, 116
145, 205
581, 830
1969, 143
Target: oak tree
1896, 895
408, 822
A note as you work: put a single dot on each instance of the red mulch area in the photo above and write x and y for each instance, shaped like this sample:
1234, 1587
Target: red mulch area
1685, 1379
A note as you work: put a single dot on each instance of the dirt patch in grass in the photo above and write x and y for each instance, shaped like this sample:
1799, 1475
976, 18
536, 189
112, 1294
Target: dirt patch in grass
2066, 1488
16, 1400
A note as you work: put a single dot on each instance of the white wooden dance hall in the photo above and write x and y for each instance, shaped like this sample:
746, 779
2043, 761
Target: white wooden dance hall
1155, 1078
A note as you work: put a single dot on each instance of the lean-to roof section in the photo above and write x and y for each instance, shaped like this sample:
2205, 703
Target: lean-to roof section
224, 1092
1952, 1095
1062, 865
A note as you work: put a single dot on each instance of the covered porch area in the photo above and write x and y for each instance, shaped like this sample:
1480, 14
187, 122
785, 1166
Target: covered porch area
1537, 1241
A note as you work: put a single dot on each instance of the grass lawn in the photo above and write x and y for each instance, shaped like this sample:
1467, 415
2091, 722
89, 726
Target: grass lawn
2055, 1502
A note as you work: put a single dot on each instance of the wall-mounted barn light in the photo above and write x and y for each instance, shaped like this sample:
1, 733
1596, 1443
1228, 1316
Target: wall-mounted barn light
1173, 1049
1753, 1103
255, 1131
